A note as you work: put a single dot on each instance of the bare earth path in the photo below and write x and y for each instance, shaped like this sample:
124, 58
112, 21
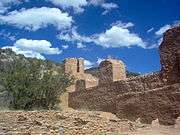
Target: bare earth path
71, 122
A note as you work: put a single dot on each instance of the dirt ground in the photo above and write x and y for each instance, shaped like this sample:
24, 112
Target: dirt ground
72, 122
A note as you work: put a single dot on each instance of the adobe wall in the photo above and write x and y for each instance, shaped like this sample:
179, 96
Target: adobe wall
149, 97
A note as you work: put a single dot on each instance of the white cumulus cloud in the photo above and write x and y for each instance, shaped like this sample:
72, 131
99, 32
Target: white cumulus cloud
96, 2
118, 36
33, 48
123, 25
36, 18
108, 7
73, 35
77, 5
103, 4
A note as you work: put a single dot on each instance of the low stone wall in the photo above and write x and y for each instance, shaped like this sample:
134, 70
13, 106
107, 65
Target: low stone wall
162, 103
142, 83
103, 97
130, 102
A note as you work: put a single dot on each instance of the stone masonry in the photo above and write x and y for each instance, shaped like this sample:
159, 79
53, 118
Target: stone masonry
111, 70
75, 67
169, 53
147, 97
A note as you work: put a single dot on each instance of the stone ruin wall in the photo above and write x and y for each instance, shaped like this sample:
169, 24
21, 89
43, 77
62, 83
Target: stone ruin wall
75, 67
147, 97
111, 70
162, 103
102, 97
169, 54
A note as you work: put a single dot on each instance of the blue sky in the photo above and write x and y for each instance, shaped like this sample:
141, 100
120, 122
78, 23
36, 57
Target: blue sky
130, 30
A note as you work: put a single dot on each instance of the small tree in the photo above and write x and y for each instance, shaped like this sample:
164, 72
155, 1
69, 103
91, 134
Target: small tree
35, 85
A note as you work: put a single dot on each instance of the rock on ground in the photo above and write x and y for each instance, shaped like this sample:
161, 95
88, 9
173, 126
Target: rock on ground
72, 122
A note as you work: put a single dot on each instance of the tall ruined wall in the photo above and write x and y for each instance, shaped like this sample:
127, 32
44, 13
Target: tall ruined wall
70, 66
169, 53
148, 97
111, 70
73, 66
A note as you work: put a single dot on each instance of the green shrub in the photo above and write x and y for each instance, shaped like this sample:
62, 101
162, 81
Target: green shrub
35, 84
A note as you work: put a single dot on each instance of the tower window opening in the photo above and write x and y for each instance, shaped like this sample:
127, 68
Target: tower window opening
78, 66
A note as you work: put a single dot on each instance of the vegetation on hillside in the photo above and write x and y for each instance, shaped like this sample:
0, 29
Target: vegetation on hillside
34, 84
